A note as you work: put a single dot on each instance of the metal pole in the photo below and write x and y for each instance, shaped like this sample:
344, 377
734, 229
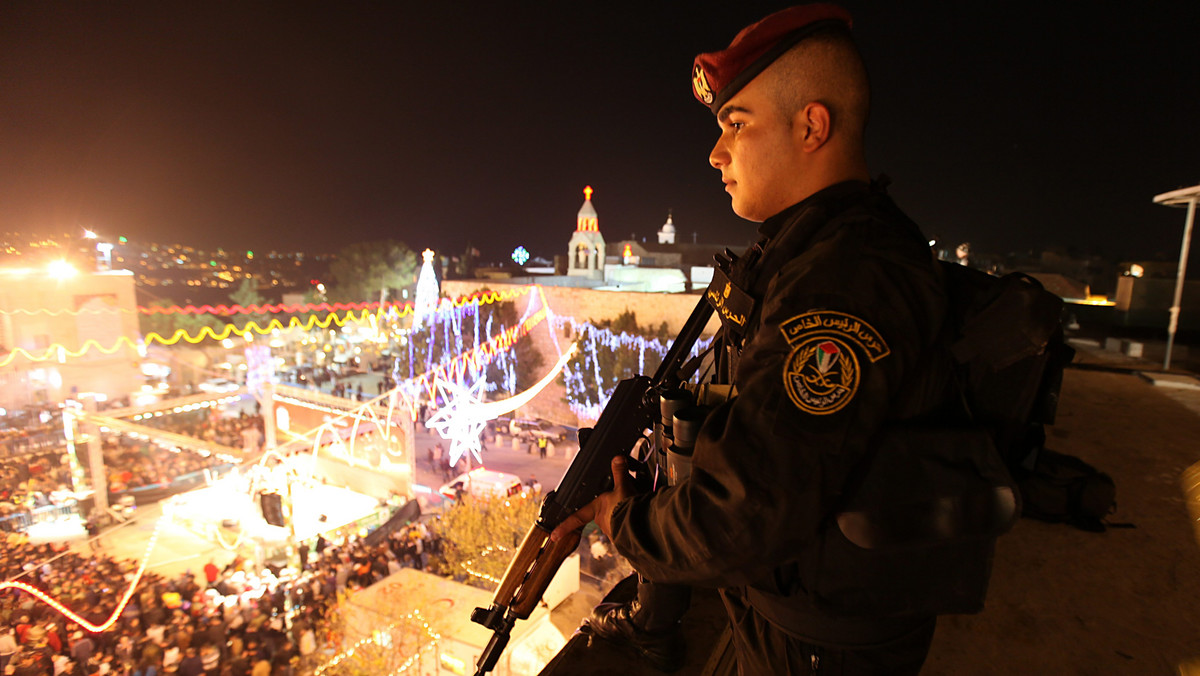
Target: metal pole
293, 549
267, 409
1183, 256
95, 457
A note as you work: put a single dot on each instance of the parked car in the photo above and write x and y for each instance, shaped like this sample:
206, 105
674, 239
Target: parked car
482, 482
217, 386
538, 428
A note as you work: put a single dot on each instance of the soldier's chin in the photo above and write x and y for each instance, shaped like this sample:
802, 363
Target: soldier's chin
747, 212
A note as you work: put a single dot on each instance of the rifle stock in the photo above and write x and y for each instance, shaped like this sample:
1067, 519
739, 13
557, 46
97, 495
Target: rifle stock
630, 412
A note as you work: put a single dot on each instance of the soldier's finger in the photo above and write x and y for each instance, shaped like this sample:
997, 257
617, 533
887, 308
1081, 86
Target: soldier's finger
569, 525
622, 482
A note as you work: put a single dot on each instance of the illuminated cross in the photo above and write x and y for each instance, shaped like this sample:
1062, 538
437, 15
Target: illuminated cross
587, 193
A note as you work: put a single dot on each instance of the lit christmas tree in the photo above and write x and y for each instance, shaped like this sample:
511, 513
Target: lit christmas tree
427, 291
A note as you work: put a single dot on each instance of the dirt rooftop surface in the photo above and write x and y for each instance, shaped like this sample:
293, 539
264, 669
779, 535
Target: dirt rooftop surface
1066, 601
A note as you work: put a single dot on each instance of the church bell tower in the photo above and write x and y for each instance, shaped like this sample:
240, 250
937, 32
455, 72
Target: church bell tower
585, 256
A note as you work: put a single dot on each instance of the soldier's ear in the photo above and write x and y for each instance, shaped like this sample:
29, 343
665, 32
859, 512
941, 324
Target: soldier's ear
811, 124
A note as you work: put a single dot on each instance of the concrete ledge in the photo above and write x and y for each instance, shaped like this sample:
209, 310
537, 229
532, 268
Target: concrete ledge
1131, 348
1170, 380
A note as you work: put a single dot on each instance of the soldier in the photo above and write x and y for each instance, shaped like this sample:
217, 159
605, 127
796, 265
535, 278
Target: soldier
832, 333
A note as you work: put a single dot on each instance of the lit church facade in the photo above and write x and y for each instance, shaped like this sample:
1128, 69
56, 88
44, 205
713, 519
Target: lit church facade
586, 249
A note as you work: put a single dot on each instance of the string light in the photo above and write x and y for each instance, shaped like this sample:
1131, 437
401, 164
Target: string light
382, 638
79, 619
60, 352
487, 551
266, 308
584, 376
146, 414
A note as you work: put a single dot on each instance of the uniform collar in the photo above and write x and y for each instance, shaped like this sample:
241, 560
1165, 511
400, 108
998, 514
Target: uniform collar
833, 193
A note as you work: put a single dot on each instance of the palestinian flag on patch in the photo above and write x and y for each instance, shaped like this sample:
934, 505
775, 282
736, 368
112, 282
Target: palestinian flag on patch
827, 354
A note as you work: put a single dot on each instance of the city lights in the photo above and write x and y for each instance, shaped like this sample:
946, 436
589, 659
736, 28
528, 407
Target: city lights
61, 269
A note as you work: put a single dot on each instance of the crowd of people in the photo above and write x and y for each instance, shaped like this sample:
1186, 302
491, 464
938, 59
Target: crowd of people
31, 481
238, 430
40, 478
228, 621
135, 464
30, 438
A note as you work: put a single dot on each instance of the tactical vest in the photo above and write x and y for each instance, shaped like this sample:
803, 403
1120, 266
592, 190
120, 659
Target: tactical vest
915, 532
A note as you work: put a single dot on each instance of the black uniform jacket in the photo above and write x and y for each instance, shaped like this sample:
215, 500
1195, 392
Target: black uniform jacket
844, 341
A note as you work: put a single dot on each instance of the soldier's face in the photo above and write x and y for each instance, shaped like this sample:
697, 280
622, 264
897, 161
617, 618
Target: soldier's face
757, 154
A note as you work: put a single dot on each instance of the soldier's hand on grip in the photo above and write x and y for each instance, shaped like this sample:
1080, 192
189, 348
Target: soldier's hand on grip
600, 510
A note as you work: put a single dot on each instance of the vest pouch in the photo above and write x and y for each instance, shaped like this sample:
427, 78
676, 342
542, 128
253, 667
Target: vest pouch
917, 535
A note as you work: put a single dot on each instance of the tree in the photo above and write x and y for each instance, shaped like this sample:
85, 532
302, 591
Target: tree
166, 325
361, 270
386, 635
480, 536
529, 362
618, 355
246, 295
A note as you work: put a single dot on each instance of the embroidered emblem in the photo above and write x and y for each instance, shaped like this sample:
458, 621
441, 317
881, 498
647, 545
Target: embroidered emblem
732, 304
700, 85
822, 374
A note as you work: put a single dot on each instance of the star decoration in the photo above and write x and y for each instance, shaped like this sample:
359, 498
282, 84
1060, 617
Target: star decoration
461, 417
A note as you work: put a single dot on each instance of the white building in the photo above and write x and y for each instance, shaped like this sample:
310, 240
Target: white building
587, 244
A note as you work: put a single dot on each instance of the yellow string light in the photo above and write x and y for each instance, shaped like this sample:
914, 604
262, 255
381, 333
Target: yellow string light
61, 352
487, 551
377, 638
402, 309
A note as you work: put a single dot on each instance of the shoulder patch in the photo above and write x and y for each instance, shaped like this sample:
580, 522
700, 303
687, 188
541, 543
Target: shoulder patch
822, 374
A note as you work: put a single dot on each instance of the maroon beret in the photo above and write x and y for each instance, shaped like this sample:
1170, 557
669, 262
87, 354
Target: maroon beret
717, 76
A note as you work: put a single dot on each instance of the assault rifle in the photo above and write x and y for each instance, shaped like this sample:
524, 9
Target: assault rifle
625, 420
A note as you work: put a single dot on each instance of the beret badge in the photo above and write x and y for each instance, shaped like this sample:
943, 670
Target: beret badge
700, 85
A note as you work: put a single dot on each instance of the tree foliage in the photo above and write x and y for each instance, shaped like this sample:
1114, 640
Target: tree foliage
480, 535
246, 295
167, 324
361, 270
613, 349
530, 363
450, 334
378, 621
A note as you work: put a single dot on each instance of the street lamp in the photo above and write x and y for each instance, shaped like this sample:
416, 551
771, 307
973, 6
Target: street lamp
1178, 198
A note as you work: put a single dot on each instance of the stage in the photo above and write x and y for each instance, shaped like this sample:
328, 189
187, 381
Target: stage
229, 513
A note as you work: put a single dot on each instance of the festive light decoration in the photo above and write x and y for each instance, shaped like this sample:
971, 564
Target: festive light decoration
487, 551
520, 255
383, 638
220, 310
427, 291
60, 352
464, 415
266, 308
183, 408
476, 358
587, 388
458, 419
495, 409
116, 613
459, 366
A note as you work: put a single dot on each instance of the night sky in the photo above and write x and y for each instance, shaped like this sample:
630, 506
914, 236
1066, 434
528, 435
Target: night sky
308, 126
